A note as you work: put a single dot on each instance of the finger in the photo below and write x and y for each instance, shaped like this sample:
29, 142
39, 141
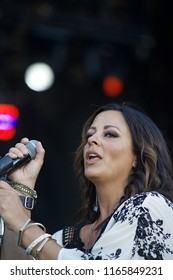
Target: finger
40, 152
24, 140
22, 148
14, 152
39, 147
5, 186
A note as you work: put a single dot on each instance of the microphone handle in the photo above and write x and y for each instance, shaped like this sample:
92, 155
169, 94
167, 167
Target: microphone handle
2, 224
2, 229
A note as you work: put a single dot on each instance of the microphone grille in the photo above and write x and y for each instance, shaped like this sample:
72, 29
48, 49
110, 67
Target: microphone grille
31, 146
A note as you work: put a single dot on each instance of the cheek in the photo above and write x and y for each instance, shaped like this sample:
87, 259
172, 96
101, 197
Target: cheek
114, 151
121, 154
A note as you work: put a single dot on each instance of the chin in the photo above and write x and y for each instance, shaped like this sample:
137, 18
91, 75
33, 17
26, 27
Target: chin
92, 176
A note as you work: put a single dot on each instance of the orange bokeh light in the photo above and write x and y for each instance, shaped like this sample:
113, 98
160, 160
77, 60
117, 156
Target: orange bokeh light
112, 86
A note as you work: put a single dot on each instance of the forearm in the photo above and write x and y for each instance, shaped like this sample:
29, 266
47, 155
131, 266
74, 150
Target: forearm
49, 251
10, 248
12, 251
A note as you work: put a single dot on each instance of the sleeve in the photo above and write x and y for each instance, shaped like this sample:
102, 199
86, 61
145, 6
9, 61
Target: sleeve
67, 254
153, 239
58, 237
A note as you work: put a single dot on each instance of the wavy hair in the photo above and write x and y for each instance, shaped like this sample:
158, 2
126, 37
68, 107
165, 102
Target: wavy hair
153, 170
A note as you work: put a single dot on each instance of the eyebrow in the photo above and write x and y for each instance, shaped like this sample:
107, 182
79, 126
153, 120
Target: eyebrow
106, 126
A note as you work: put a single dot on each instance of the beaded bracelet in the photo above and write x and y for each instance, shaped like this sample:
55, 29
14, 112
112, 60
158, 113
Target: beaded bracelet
36, 242
23, 189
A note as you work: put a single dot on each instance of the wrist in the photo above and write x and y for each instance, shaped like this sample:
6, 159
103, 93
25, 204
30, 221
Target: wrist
28, 183
27, 195
18, 223
23, 189
27, 201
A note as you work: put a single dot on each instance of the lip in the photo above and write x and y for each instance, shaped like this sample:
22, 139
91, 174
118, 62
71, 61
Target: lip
92, 160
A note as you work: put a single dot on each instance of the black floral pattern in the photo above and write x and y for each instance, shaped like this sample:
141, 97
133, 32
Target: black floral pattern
150, 241
99, 256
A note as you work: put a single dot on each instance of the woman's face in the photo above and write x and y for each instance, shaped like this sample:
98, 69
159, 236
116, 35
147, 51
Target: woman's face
108, 153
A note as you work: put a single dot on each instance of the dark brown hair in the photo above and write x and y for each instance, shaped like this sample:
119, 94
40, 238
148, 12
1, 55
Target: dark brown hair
153, 171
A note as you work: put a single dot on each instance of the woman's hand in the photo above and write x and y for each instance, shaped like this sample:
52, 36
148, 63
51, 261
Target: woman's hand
28, 173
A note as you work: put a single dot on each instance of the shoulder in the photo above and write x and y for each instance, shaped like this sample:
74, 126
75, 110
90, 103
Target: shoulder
152, 203
148, 199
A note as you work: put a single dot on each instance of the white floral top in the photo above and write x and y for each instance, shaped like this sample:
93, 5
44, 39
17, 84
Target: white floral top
140, 229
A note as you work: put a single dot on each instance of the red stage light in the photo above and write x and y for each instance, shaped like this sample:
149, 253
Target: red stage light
8, 119
112, 86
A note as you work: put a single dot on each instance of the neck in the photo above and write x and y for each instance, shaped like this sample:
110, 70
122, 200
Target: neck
108, 201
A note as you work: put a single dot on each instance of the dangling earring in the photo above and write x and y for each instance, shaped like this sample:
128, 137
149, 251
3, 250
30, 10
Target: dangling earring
96, 207
134, 164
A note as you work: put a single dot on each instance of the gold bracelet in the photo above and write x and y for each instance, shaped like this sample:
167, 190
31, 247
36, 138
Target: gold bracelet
23, 189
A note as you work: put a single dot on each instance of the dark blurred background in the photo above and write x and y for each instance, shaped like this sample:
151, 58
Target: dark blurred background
83, 41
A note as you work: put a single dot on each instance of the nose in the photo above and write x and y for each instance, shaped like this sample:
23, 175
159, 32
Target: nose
93, 139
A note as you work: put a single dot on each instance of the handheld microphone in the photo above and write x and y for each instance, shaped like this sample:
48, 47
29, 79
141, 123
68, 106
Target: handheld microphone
9, 165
